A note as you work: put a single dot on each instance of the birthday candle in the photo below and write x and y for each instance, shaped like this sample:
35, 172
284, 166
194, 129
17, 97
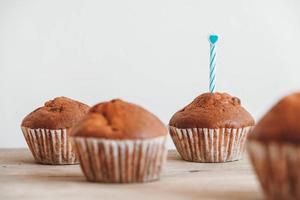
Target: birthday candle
212, 64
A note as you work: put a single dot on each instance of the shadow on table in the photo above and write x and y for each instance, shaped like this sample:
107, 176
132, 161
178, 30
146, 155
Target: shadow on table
59, 178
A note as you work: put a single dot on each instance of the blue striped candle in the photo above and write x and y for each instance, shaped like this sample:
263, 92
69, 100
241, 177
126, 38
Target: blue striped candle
212, 64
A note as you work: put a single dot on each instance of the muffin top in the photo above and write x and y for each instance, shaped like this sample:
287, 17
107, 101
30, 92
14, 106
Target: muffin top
281, 123
58, 113
117, 119
212, 110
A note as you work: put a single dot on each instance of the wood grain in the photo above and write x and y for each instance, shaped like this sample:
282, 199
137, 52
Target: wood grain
22, 178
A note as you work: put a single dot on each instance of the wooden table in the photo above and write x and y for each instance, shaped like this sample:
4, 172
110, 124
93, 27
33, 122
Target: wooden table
22, 178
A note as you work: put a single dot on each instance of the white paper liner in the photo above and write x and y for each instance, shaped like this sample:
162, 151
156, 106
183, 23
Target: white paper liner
50, 146
210, 145
277, 168
121, 161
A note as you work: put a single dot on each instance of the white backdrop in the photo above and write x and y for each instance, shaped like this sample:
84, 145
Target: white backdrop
153, 53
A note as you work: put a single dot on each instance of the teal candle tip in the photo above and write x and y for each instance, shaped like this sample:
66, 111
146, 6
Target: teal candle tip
213, 39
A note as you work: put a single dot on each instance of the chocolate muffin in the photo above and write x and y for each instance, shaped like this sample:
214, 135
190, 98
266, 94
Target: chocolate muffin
120, 142
274, 149
47, 128
212, 128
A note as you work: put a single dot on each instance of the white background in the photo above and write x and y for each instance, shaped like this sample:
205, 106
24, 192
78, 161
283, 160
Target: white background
153, 53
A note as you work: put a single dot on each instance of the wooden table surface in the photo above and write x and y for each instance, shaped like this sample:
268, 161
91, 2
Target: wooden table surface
22, 178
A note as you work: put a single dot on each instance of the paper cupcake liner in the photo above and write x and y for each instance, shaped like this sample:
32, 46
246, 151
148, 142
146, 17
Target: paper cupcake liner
210, 145
50, 146
121, 161
277, 168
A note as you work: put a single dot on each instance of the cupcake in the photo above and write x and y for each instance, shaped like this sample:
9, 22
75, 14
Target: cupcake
213, 128
47, 128
120, 142
274, 149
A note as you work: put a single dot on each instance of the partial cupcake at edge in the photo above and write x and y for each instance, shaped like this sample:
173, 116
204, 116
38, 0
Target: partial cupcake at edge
212, 128
120, 142
274, 149
47, 129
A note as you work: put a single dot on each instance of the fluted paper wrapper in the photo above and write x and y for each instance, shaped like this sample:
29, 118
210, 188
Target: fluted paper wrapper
210, 145
277, 168
50, 146
121, 161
